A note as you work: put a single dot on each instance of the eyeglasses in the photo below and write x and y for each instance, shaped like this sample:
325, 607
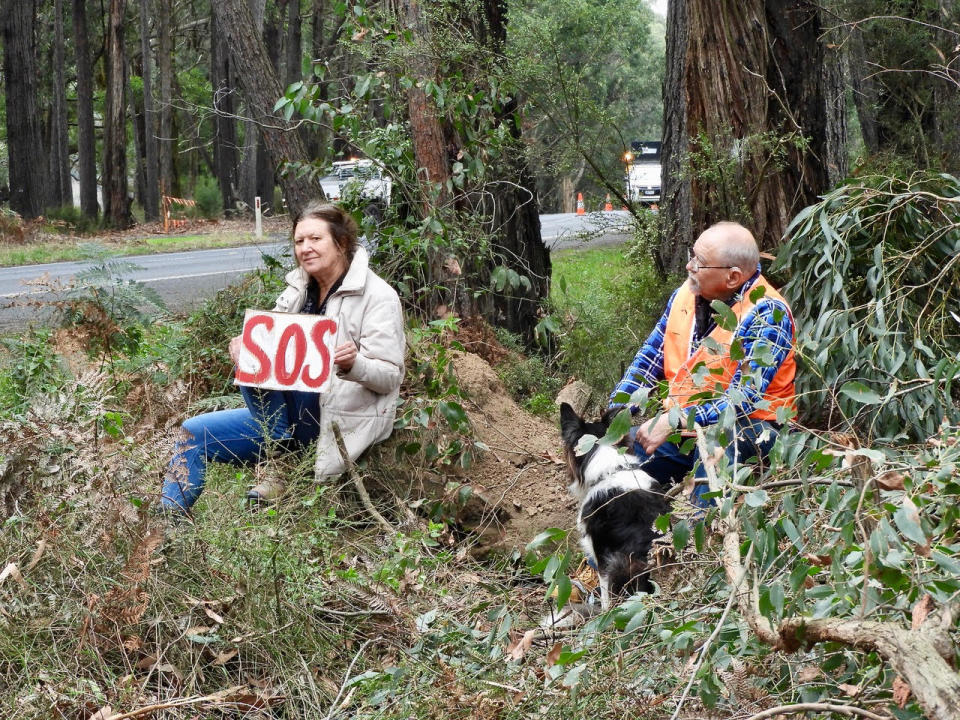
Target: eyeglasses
696, 265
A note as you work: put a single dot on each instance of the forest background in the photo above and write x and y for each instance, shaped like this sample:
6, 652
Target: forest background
825, 585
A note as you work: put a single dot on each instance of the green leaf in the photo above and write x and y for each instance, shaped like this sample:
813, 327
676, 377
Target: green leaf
681, 534
860, 393
757, 498
907, 522
699, 536
548, 535
726, 318
618, 428
585, 444
564, 587
662, 523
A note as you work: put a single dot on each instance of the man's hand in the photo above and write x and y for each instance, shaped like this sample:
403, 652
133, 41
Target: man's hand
654, 433
344, 356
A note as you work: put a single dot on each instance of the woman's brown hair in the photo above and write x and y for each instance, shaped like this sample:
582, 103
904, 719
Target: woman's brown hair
342, 225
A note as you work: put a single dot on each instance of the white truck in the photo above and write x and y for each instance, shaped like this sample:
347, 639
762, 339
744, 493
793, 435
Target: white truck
365, 175
643, 171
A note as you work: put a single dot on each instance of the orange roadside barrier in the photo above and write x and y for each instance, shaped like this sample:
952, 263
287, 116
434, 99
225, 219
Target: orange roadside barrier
166, 202
608, 206
580, 209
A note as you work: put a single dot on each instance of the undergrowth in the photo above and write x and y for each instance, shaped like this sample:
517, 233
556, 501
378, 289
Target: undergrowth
311, 609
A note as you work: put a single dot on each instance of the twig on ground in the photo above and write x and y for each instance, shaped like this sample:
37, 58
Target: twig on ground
346, 677
817, 707
358, 483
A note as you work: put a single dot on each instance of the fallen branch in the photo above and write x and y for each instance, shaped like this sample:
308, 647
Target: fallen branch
358, 483
916, 655
817, 707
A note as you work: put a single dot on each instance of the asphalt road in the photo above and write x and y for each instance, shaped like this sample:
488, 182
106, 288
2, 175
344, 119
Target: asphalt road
183, 279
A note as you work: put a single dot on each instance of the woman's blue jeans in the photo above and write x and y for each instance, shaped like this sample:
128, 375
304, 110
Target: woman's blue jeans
239, 436
668, 465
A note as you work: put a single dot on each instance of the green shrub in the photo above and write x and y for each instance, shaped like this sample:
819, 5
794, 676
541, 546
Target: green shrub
208, 197
71, 220
875, 291
28, 367
526, 378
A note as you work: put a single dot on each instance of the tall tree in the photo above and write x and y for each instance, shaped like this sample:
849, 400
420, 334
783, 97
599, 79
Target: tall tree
225, 109
505, 199
24, 141
61, 186
753, 117
901, 55
261, 89
151, 197
167, 145
86, 142
116, 200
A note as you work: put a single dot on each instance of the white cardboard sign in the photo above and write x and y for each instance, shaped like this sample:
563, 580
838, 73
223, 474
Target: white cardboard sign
284, 351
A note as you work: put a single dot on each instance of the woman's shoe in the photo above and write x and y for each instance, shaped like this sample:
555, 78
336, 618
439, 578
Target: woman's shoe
265, 492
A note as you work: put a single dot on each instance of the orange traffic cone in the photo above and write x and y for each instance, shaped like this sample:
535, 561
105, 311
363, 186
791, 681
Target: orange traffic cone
580, 209
608, 206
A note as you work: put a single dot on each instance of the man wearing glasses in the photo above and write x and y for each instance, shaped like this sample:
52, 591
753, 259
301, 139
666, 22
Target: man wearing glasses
742, 365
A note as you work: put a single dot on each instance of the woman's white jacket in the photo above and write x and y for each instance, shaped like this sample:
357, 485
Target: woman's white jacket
363, 402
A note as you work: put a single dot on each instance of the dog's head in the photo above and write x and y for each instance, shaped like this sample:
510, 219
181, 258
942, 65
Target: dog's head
628, 574
572, 428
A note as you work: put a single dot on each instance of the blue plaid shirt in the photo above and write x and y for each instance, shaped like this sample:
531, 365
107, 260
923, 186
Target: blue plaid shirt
768, 323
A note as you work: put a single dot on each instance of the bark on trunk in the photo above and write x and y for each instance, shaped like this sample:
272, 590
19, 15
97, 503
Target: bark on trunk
745, 81
167, 146
86, 142
294, 42
24, 141
225, 107
151, 193
675, 187
60, 165
864, 92
426, 131
261, 88
116, 202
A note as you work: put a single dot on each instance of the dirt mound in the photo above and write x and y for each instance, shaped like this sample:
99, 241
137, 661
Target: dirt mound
522, 478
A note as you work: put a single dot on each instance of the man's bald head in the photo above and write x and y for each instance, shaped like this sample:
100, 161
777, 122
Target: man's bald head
735, 245
724, 257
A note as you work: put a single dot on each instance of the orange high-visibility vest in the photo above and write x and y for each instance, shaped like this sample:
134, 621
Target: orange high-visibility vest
687, 381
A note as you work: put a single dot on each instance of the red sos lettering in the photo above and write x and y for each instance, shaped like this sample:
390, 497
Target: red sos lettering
286, 374
248, 342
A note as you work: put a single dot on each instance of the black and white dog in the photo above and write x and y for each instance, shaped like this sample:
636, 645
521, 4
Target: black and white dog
618, 505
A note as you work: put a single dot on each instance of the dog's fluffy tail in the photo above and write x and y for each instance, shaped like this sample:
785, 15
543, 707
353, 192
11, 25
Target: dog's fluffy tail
627, 574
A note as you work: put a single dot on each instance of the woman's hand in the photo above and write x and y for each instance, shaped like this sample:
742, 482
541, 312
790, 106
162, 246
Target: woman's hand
234, 349
344, 356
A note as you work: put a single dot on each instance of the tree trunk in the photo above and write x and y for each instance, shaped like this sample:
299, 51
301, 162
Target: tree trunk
139, 141
225, 107
426, 131
86, 142
116, 202
261, 89
266, 175
168, 179
864, 92
746, 92
60, 145
24, 142
294, 42
151, 195
675, 188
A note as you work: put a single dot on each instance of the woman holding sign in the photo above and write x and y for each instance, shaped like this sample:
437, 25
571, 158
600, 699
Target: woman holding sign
354, 379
